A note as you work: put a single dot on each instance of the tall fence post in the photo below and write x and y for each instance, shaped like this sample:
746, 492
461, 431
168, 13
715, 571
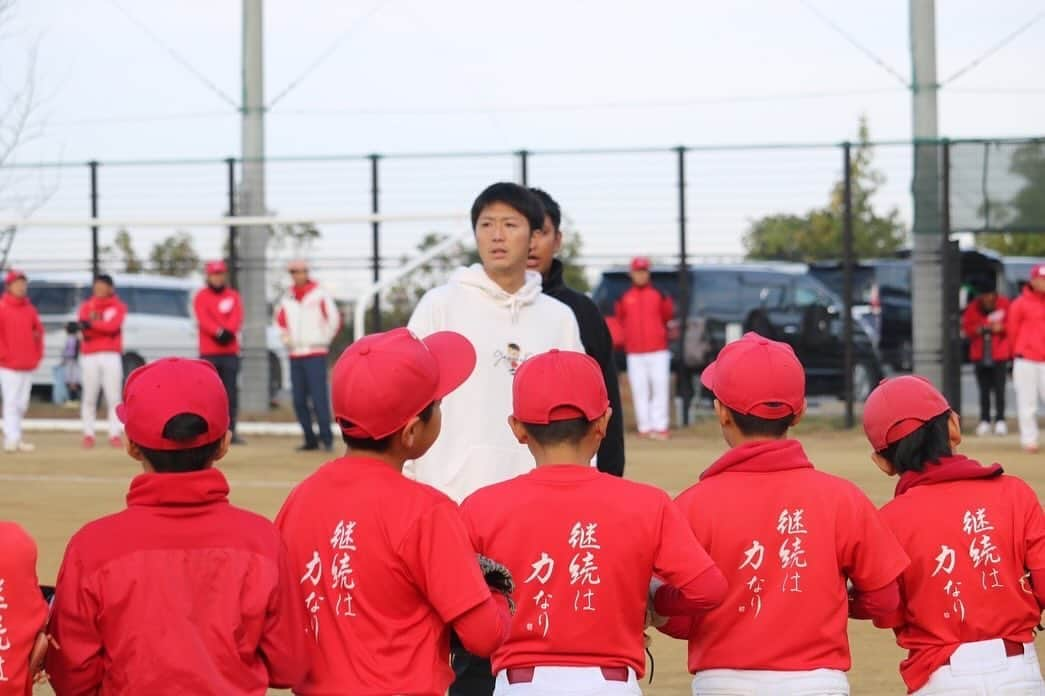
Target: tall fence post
847, 283
230, 169
375, 226
684, 383
524, 167
95, 250
950, 310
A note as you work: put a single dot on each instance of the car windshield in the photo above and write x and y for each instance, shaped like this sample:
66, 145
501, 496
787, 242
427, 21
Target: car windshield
56, 298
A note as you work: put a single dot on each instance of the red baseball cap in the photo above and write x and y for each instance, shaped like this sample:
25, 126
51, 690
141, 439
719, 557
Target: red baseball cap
1038, 271
214, 267
12, 276
757, 377
559, 385
899, 406
383, 380
640, 263
169, 387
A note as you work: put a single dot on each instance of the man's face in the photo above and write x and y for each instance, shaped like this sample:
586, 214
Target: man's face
502, 236
102, 289
988, 300
640, 278
18, 287
216, 280
1037, 283
299, 276
544, 245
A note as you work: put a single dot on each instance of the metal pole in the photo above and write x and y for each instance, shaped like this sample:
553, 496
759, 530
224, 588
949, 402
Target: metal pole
847, 283
95, 261
951, 314
253, 241
683, 381
524, 173
230, 166
375, 260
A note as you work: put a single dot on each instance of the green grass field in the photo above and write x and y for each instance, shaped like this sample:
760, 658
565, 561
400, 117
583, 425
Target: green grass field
55, 490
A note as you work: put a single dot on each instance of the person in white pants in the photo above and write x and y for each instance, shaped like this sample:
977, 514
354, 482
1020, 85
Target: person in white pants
649, 375
1026, 329
21, 349
101, 361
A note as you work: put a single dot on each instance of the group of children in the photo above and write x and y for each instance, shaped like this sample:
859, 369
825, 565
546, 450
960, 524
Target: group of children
365, 575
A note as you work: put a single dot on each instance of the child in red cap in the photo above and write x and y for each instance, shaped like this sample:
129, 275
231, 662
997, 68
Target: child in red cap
23, 613
975, 588
787, 536
384, 564
181, 593
582, 545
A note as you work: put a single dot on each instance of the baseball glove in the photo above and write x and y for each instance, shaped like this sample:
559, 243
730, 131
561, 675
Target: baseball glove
498, 579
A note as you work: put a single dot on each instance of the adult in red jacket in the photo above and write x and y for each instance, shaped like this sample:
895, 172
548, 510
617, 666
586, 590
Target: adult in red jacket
219, 313
1026, 329
181, 593
983, 323
101, 357
21, 348
644, 313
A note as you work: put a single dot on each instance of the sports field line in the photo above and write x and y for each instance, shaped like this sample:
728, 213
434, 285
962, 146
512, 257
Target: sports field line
74, 478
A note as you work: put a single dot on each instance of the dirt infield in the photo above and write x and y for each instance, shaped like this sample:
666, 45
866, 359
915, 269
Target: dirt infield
55, 490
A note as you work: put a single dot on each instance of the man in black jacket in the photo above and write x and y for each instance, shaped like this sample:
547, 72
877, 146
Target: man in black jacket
594, 333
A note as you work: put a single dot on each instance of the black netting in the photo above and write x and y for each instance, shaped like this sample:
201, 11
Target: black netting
997, 186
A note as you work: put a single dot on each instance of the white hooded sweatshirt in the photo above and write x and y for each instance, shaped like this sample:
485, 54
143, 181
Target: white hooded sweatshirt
476, 447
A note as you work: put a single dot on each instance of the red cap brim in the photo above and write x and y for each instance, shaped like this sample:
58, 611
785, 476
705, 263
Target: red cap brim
707, 377
121, 413
456, 357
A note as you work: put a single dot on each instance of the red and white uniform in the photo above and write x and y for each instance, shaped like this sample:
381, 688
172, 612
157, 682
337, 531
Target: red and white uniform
23, 611
218, 310
643, 314
21, 349
1026, 329
181, 593
787, 537
582, 547
101, 359
383, 566
976, 539
974, 319
308, 319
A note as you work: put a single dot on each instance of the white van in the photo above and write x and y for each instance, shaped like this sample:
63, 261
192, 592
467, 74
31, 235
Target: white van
159, 323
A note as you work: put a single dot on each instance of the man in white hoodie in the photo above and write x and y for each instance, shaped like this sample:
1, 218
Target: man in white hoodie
498, 305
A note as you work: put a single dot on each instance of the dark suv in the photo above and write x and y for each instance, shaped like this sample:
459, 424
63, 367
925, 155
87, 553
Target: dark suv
778, 300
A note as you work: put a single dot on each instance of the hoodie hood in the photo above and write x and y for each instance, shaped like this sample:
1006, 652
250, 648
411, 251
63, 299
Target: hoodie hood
474, 276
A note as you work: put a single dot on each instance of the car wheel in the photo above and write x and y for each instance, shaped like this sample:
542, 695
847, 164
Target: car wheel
863, 381
131, 362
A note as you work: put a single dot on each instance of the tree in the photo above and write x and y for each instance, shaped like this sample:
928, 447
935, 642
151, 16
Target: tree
123, 246
817, 234
1025, 211
175, 256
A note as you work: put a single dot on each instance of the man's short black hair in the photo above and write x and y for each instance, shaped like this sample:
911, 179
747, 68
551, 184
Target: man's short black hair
183, 427
551, 208
926, 444
371, 445
568, 432
755, 426
104, 278
514, 196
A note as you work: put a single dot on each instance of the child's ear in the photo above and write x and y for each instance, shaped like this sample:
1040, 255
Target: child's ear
518, 430
408, 435
954, 429
223, 448
134, 452
602, 423
725, 418
884, 464
797, 418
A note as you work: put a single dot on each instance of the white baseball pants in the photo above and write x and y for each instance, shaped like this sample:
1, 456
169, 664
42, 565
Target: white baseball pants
1028, 378
649, 375
15, 386
574, 681
101, 372
982, 669
746, 682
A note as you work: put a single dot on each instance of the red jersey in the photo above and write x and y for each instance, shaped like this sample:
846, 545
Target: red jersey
384, 565
644, 313
1026, 325
582, 546
975, 319
787, 537
21, 334
181, 593
972, 535
23, 611
105, 333
216, 310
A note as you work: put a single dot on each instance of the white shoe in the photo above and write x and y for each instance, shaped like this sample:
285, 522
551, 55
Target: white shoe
12, 447
984, 428
1001, 429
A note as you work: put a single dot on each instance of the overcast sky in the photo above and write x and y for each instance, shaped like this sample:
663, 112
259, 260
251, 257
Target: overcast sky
453, 75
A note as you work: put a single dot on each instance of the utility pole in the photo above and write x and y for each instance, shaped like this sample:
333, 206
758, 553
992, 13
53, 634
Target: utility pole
252, 241
927, 257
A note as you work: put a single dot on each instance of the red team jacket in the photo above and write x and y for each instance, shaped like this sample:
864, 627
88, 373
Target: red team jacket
21, 334
105, 335
581, 546
216, 310
23, 612
181, 593
973, 535
382, 565
787, 537
644, 313
1026, 325
974, 319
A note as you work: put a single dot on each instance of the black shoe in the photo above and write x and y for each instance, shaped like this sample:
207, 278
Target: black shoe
307, 447
237, 440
